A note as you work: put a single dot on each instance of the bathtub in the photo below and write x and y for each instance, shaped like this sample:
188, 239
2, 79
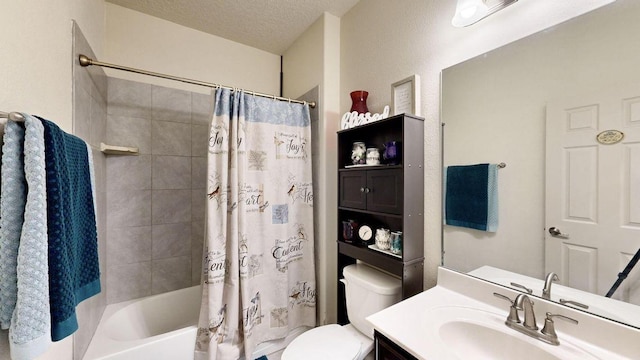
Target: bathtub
158, 327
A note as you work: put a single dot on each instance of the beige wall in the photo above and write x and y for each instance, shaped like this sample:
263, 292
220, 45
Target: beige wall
314, 60
383, 42
35, 59
35, 73
141, 41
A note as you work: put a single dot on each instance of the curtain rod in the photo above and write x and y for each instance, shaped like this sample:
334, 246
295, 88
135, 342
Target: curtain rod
87, 61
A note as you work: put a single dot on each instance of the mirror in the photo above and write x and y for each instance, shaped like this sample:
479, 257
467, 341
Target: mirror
494, 108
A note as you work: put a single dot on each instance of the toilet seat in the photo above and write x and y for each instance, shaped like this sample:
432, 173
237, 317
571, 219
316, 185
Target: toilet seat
324, 342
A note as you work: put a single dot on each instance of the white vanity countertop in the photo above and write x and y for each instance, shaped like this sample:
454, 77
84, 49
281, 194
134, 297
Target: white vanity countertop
410, 323
406, 323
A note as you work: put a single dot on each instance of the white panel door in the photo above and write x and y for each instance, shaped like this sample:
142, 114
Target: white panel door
593, 191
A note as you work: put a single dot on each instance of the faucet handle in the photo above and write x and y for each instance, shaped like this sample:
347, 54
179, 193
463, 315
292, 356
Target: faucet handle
549, 327
513, 311
505, 297
575, 303
516, 285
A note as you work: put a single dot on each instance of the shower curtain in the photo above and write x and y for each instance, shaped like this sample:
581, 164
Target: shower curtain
258, 278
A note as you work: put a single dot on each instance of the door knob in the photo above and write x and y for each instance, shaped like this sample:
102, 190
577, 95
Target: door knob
554, 231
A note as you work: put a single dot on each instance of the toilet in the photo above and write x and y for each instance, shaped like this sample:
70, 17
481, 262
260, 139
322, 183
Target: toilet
367, 291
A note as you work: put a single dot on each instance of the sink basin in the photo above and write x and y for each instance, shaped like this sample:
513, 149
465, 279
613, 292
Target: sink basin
468, 333
481, 342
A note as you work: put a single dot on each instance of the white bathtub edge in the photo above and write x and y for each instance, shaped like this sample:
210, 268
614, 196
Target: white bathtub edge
102, 347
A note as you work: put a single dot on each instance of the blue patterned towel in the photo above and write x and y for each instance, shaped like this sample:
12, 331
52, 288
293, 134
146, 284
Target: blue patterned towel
30, 331
471, 196
13, 198
74, 272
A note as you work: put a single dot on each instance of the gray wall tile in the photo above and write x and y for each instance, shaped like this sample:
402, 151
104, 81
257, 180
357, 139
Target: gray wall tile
84, 75
170, 104
82, 112
171, 240
196, 269
198, 204
98, 119
171, 172
129, 131
128, 172
169, 138
100, 79
155, 201
128, 281
171, 274
89, 104
171, 206
197, 242
80, 75
102, 229
201, 108
199, 140
128, 208
128, 245
100, 168
129, 98
199, 172
197, 237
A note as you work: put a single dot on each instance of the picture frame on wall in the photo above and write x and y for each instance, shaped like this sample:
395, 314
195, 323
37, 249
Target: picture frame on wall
405, 96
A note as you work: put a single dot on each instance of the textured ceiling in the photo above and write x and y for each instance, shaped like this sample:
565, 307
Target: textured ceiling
270, 25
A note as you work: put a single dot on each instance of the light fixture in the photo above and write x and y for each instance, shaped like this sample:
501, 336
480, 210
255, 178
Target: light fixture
471, 11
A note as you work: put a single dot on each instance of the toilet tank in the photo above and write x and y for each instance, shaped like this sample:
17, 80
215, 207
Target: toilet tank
368, 291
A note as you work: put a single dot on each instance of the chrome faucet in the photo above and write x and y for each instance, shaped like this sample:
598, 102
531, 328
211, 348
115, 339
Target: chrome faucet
548, 280
529, 327
524, 303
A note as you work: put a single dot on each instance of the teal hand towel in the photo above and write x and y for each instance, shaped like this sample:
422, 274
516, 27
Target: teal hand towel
471, 196
74, 273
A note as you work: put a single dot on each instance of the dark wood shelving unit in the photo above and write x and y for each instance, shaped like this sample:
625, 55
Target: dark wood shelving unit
394, 199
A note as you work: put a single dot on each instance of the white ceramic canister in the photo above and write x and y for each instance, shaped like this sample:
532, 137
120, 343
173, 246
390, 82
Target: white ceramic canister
373, 156
383, 239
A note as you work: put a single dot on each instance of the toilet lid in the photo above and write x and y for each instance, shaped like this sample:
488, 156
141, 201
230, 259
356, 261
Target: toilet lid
322, 343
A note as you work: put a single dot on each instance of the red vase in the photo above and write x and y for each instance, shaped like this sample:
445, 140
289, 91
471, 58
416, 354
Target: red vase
359, 101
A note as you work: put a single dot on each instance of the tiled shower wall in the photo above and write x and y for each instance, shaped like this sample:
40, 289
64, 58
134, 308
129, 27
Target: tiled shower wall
156, 200
89, 123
